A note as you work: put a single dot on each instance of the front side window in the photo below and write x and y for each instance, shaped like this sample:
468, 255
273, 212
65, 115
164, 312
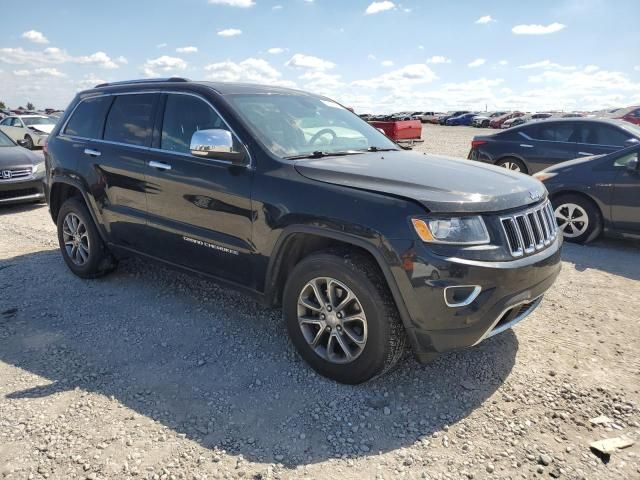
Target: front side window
88, 118
626, 159
292, 125
184, 115
130, 119
608, 135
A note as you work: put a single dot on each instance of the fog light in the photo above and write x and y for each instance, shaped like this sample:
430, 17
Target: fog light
461, 296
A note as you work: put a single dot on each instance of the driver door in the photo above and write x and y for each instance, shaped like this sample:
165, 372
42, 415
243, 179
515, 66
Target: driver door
625, 207
200, 214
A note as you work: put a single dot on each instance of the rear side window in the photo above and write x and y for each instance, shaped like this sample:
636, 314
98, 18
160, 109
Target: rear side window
184, 115
88, 118
130, 119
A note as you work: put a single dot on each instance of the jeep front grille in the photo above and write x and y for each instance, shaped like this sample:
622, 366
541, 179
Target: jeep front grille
530, 230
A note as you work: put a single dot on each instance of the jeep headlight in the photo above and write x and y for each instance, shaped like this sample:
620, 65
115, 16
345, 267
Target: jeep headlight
452, 230
38, 167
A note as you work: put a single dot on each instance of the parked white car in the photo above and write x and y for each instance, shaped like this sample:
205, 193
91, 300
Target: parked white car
30, 130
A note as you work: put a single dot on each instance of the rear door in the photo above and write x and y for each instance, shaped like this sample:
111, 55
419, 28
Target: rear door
625, 207
200, 211
115, 165
547, 143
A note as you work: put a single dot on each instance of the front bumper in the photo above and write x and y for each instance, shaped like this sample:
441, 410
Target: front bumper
509, 292
28, 190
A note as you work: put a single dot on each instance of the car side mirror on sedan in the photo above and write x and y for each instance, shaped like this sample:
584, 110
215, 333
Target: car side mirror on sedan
631, 142
217, 144
22, 143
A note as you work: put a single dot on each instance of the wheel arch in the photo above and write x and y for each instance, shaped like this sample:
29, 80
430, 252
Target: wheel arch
296, 242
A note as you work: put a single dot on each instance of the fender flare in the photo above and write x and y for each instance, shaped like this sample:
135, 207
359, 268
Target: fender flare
275, 263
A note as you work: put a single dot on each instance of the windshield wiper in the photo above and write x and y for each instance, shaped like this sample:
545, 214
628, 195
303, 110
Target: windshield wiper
320, 154
378, 149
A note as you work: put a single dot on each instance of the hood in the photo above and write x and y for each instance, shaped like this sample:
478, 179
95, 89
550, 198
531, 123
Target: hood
17, 157
441, 184
44, 128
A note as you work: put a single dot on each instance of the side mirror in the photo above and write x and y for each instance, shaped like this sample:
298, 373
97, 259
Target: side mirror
217, 144
22, 143
631, 142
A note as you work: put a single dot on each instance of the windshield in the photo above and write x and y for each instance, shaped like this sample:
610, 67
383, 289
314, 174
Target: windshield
5, 141
631, 128
28, 121
294, 125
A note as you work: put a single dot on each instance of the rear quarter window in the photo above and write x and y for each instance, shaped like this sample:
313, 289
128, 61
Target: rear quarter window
87, 119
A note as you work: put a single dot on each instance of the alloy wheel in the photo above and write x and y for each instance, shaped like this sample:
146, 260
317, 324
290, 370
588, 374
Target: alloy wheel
511, 166
572, 219
332, 320
76, 239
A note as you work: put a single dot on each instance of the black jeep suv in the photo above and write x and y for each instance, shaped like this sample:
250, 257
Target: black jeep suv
294, 199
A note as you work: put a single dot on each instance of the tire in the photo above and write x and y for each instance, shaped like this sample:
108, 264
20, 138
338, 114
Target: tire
382, 335
513, 164
579, 219
29, 142
90, 258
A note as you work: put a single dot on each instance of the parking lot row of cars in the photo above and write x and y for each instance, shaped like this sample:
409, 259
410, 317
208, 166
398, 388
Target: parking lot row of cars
503, 119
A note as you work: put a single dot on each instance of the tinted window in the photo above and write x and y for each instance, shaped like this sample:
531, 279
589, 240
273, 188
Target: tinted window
88, 118
553, 132
184, 115
626, 159
6, 122
608, 135
130, 119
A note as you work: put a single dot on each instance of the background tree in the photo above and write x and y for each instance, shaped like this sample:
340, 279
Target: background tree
2, 105
31, 106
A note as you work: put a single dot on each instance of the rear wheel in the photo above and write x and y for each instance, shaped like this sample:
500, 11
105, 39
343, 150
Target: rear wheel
28, 142
579, 219
513, 164
82, 248
341, 317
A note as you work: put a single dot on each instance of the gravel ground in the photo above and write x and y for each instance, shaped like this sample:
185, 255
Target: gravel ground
148, 373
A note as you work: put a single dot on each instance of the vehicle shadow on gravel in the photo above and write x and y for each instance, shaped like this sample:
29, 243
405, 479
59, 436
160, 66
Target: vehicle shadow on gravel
218, 369
19, 208
618, 257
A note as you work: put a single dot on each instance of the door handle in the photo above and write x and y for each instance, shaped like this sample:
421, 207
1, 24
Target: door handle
526, 145
91, 152
159, 165
584, 153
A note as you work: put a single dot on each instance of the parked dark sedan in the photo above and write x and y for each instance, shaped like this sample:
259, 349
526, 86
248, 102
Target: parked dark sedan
21, 173
443, 119
594, 195
532, 147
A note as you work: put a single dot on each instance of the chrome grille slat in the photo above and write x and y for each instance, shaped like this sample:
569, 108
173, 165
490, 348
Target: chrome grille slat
530, 230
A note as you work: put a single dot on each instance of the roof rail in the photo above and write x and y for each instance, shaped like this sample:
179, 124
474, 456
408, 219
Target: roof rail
143, 80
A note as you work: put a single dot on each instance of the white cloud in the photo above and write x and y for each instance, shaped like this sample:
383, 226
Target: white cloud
254, 70
99, 59
377, 7
122, 60
546, 65
485, 19
387, 63
275, 50
407, 76
438, 59
637, 68
477, 63
187, 49
277, 7
90, 81
503, 63
371, 56
161, 45
163, 64
234, 3
229, 32
42, 72
54, 56
300, 60
534, 29
35, 37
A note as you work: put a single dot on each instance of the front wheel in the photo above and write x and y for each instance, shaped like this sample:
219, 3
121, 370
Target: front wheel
28, 142
341, 318
579, 219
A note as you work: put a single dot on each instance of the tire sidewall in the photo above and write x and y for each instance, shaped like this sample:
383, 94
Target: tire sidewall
372, 359
30, 145
89, 269
593, 214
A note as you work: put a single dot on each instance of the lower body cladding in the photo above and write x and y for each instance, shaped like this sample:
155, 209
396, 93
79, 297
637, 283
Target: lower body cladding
21, 191
453, 303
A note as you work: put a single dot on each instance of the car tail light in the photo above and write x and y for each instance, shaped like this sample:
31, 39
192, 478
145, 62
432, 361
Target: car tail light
477, 143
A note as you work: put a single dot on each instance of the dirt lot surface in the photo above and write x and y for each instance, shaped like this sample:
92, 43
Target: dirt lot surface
152, 374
